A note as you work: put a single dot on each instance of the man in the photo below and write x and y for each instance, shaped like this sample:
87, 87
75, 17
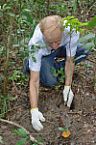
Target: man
51, 41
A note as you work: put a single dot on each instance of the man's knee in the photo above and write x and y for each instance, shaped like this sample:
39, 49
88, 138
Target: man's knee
81, 54
49, 83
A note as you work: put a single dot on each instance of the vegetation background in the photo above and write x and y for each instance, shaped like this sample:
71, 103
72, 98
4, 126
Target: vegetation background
18, 19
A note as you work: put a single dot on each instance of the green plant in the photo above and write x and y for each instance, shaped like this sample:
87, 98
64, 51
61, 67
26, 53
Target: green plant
18, 77
59, 73
65, 132
1, 140
88, 40
25, 138
4, 104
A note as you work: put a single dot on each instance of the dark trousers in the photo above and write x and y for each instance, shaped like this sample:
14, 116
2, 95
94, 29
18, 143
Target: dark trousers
50, 62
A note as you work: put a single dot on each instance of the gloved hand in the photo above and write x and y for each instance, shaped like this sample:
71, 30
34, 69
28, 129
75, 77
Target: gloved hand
36, 117
68, 95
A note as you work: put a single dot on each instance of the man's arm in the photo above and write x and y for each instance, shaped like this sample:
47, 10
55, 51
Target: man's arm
69, 69
67, 92
34, 88
36, 115
71, 49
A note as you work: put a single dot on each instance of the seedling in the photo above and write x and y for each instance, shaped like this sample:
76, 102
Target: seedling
25, 138
65, 132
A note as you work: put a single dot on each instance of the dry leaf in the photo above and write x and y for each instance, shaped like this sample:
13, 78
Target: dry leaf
66, 133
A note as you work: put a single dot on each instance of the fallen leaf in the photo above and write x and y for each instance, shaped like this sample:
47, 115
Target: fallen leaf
1, 140
66, 133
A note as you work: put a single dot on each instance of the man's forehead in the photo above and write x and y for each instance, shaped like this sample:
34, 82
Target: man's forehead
55, 41
53, 37
50, 24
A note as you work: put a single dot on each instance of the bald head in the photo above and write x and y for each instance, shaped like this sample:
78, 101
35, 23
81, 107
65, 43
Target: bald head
51, 28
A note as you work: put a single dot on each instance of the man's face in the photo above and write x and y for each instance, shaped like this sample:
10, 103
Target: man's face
53, 37
55, 44
54, 41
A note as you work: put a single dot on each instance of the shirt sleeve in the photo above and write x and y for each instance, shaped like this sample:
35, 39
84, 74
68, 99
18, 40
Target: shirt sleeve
71, 46
35, 51
35, 60
37, 36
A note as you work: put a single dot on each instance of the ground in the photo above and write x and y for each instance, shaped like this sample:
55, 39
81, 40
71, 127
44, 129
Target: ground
80, 119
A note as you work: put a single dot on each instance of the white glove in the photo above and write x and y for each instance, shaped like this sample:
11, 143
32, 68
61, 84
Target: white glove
36, 117
68, 95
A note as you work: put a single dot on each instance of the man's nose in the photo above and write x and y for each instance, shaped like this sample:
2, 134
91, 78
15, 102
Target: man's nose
55, 45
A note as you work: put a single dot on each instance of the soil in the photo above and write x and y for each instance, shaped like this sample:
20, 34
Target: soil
80, 119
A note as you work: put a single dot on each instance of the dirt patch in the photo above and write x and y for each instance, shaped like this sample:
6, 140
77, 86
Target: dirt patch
81, 120
7, 135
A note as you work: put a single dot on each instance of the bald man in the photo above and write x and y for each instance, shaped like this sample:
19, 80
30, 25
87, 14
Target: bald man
50, 42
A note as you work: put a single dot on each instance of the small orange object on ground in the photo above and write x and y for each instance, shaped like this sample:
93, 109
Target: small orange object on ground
66, 133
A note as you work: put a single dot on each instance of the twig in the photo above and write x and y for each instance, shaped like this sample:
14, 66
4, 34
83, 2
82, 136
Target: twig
83, 113
10, 110
91, 60
74, 113
91, 7
19, 126
94, 49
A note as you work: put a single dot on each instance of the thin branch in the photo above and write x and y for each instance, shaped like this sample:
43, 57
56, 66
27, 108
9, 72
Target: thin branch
91, 7
83, 113
19, 126
91, 60
94, 49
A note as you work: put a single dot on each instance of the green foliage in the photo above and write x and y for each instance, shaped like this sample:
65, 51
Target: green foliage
4, 104
73, 23
24, 137
59, 73
18, 77
88, 41
23, 141
22, 16
74, 5
62, 129
21, 132
1, 140
92, 23
64, 8
58, 7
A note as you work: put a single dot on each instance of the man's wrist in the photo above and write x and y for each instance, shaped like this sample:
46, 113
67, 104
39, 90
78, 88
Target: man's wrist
67, 86
68, 82
33, 109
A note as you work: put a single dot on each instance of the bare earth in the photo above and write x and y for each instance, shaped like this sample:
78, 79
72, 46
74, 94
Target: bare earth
81, 119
